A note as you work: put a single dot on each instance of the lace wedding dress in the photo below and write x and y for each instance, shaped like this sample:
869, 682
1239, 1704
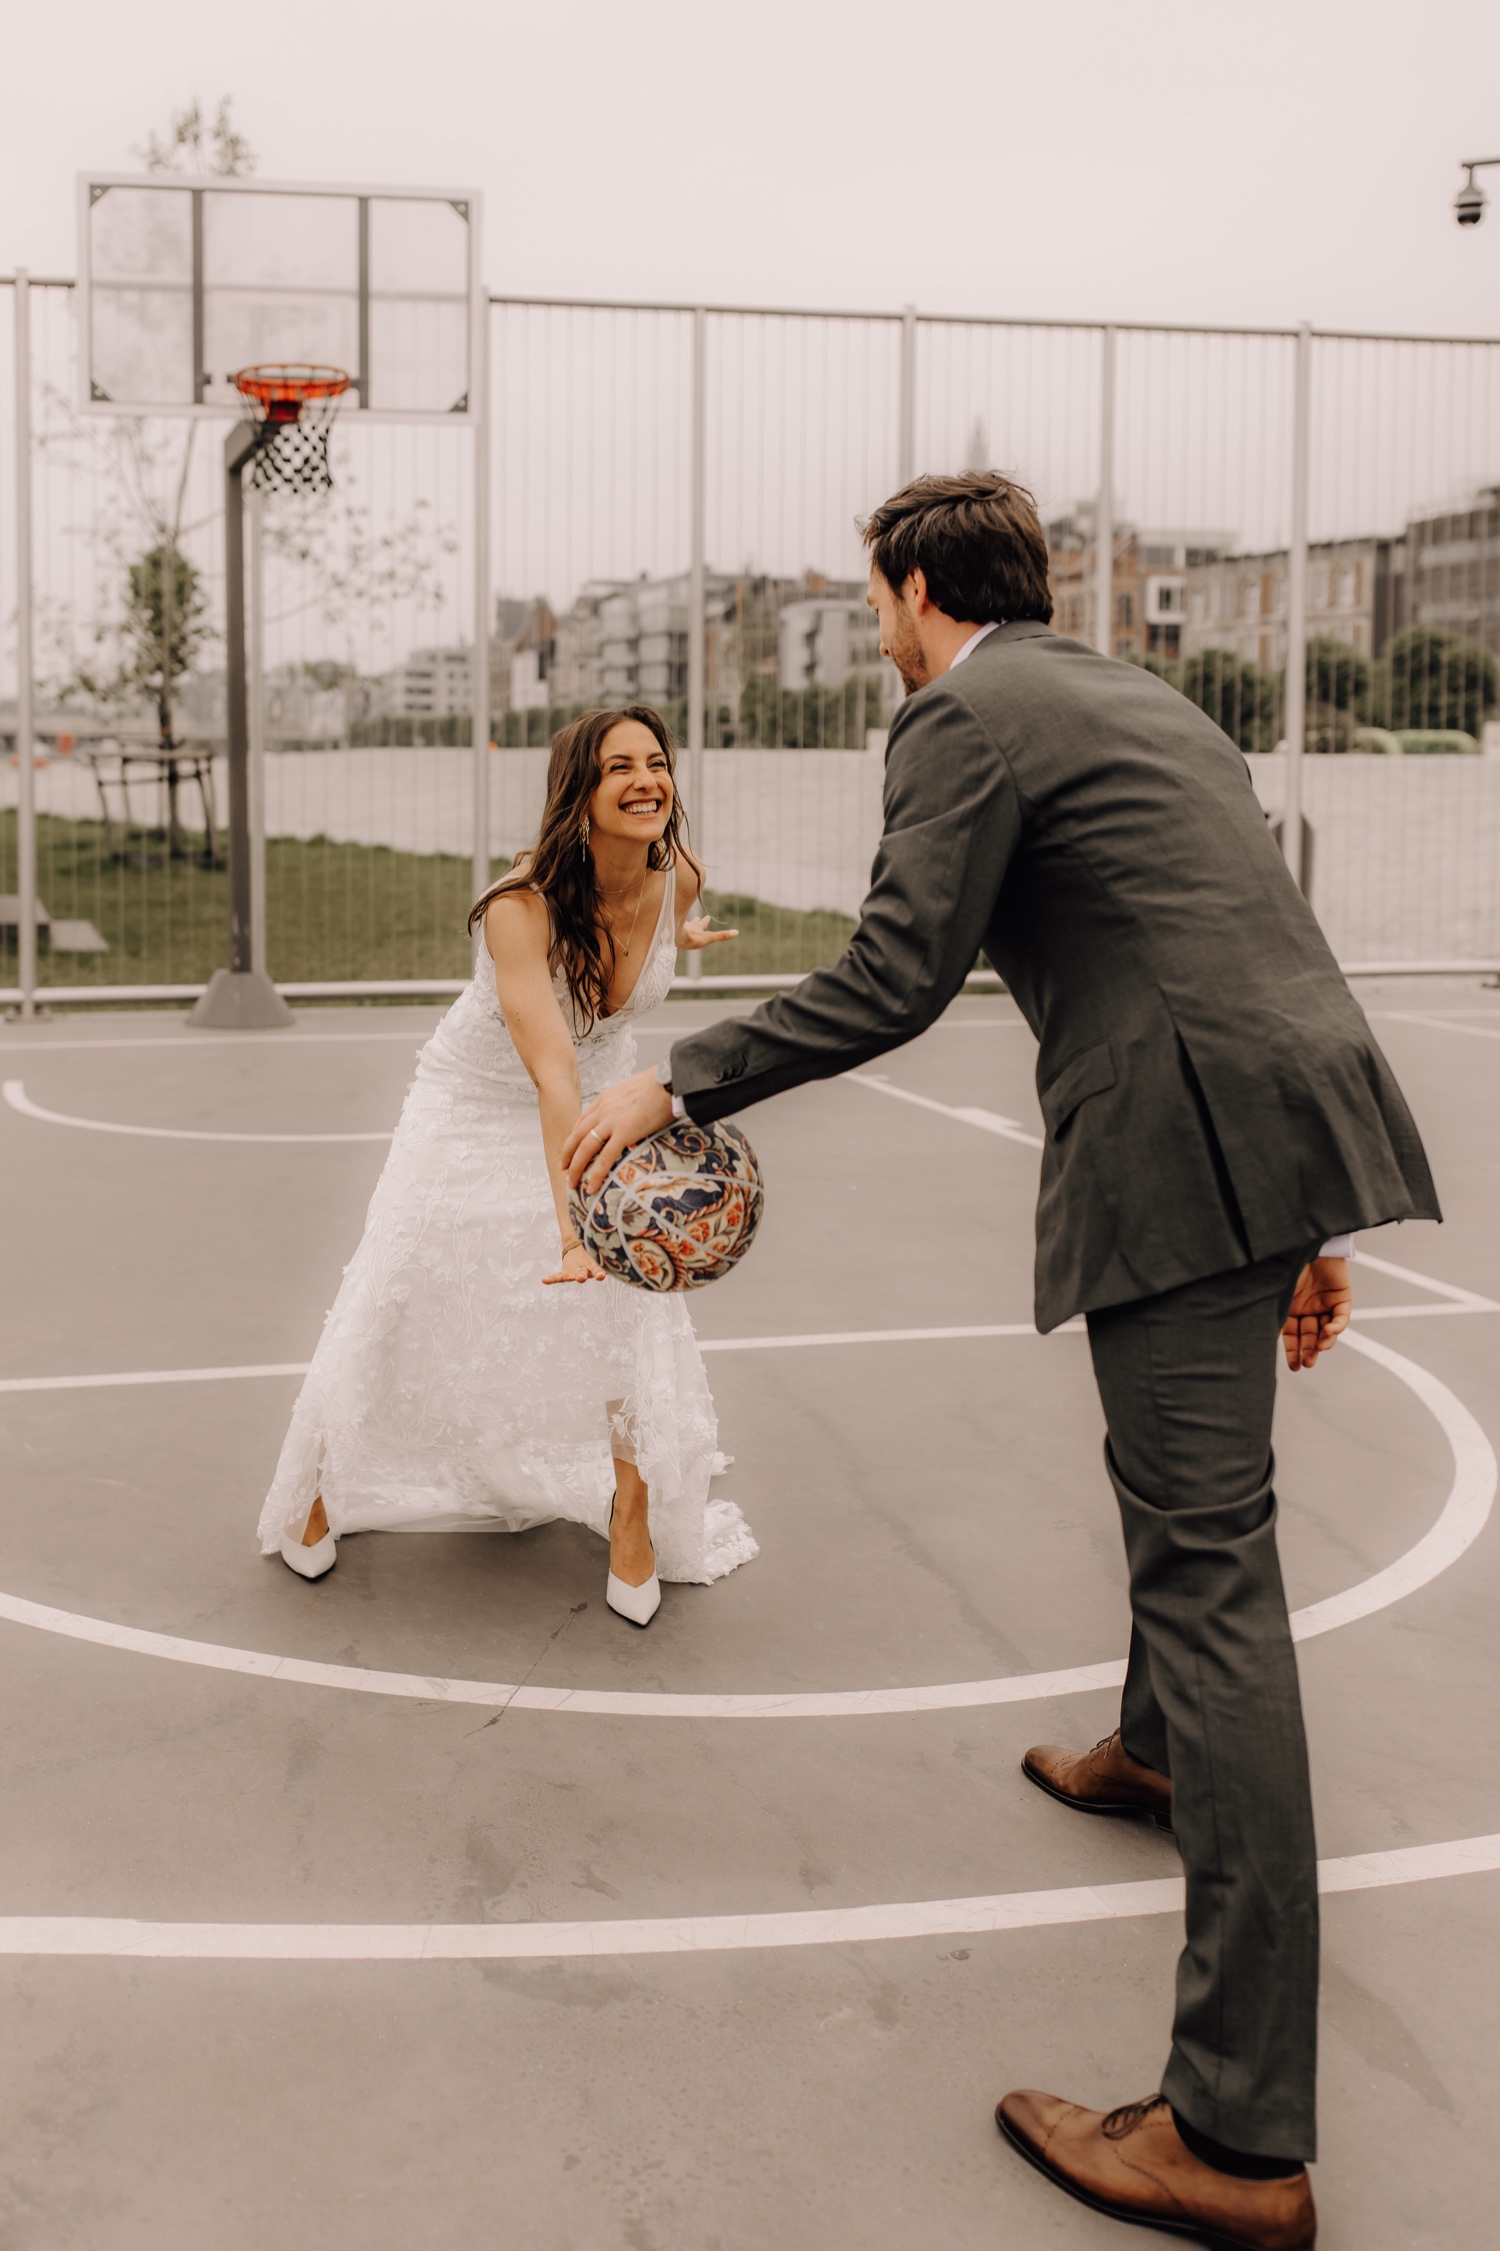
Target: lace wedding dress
450, 1390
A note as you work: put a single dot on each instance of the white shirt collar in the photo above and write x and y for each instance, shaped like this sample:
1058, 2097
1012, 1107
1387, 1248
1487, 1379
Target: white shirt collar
974, 640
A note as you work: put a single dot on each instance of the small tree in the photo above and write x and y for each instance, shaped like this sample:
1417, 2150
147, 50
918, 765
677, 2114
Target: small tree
194, 143
1338, 677
1429, 678
1237, 696
162, 627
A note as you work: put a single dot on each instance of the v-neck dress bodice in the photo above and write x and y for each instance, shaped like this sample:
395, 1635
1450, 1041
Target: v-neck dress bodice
451, 1389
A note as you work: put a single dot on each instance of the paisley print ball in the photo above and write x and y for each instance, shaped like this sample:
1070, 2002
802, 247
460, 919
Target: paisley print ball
677, 1211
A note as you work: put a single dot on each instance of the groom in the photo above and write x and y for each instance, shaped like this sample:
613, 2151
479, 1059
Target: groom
1218, 1118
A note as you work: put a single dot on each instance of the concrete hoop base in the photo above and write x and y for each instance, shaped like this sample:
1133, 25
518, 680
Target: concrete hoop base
241, 1000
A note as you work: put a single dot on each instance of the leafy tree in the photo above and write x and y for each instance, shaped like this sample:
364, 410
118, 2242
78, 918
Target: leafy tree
164, 623
1429, 678
1237, 696
1338, 677
196, 143
809, 718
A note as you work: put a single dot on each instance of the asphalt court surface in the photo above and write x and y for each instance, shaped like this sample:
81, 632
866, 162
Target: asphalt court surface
930, 1510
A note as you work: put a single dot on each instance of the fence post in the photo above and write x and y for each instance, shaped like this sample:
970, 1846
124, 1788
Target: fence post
480, 693
25, 712
1295, 718
255, 713
697, 592
240, 998
1104, 514
906, 431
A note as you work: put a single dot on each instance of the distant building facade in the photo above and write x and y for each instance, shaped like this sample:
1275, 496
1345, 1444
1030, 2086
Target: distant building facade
523, 654
431, 684
1453, 570
625, 641
1148, 582
825, 640
1356, 593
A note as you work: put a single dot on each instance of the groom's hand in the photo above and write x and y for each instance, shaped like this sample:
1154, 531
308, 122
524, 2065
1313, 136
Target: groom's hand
1321, 1304
623, 1114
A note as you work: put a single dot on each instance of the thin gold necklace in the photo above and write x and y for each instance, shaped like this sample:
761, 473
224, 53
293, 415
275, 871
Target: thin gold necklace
635, 918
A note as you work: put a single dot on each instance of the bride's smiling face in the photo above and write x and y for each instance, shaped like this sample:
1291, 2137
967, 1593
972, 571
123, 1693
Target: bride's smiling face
633, 799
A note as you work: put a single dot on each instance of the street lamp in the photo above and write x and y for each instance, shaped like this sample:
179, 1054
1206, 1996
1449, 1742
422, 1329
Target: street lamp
1468, 204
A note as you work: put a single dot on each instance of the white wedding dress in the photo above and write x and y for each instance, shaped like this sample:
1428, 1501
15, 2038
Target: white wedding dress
450, 1390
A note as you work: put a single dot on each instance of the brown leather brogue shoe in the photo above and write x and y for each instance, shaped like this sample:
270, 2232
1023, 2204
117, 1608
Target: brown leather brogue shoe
1133, 2164
1104, 1780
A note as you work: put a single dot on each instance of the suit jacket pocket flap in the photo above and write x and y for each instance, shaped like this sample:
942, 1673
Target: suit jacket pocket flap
1089, 1072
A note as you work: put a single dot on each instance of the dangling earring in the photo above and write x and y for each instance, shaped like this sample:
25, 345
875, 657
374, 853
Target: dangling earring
583, 837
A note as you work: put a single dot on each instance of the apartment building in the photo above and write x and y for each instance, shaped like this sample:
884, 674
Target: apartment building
1149, 574
1453, 570
626, 640
431, 684
827, 640
1356, 593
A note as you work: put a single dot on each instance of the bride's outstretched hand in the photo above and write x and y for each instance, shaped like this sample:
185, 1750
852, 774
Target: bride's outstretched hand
576, 1266
696, 935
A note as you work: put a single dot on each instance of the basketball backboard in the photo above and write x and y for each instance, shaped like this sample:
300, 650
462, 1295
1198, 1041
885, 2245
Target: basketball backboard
185, 281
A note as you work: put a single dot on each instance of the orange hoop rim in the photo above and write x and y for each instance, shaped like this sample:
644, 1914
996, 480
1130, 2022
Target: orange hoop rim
281, 389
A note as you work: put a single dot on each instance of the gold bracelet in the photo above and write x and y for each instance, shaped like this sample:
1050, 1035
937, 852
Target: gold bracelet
570, 1243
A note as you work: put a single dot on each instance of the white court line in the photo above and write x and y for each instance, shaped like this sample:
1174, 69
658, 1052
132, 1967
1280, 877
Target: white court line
1469, 1303
15, 1094
600, 1940
1440, 1024
1463, 1517
1463, 1301
152, 1375
106, 1382
884, 1336
188, 1043
988, 1121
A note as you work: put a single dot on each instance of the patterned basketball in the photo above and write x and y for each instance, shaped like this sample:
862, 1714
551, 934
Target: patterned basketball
677, 1211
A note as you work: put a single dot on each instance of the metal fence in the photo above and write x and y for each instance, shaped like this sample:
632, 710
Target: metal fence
1302, 531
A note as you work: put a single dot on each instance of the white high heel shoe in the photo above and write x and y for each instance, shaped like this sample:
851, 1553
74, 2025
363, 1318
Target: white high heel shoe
309, 1563
638, 1604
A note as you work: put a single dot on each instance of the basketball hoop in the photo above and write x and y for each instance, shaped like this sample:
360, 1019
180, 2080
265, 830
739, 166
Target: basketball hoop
295, 406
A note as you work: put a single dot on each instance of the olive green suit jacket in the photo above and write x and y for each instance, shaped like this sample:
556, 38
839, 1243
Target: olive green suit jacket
1211, 1090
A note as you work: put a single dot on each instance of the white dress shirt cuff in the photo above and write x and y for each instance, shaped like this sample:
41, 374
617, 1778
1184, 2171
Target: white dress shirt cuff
1339, 1246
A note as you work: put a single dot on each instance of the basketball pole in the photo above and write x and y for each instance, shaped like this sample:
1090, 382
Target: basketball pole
240, 998
26, 886
255, 675
479, 715
697, 597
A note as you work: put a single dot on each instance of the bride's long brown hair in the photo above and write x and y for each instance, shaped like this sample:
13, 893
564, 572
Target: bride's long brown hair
561, 867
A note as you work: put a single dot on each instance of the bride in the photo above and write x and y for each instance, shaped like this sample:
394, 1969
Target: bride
478, 1370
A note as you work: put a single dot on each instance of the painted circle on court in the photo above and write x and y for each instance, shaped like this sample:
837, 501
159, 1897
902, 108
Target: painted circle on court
1462, 1518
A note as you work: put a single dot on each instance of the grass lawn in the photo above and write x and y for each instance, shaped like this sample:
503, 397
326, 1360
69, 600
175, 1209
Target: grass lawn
334, 911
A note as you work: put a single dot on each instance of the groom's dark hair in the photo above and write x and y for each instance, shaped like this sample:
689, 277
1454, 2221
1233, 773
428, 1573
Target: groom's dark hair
978, 539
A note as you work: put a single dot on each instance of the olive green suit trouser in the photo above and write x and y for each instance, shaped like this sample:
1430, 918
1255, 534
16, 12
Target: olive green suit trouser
1188, 1382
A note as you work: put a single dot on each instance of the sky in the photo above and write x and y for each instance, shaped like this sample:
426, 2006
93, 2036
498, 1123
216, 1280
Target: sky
1201, 160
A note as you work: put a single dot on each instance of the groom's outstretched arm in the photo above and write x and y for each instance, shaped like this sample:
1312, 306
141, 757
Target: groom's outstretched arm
952, 820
